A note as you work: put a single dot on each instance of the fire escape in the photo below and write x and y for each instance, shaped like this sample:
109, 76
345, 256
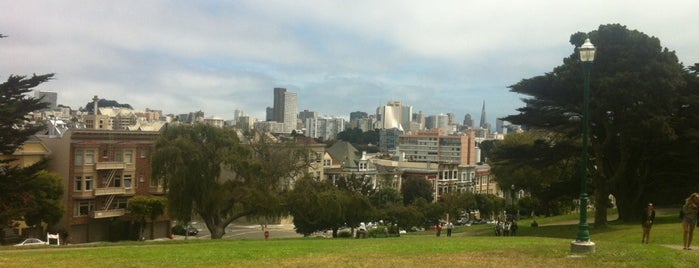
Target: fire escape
107, 171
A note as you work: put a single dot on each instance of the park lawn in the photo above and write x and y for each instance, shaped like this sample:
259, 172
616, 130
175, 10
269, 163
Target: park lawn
617, 246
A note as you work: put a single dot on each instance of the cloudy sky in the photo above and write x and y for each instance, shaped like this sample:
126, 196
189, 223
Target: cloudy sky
339, 56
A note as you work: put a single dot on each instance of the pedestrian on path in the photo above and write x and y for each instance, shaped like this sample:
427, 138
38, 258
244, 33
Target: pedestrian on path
689, 220
648, 218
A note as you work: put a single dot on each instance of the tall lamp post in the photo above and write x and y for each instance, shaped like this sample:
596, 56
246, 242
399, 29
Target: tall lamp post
582, 243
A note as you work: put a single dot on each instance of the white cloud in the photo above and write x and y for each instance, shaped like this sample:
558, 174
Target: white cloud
340, 56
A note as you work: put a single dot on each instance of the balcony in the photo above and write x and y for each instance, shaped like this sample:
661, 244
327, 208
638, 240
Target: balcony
109, 165
100, 214
157, 189
83, 194
109, 191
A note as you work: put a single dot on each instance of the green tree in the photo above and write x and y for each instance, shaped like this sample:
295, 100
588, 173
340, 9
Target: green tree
454, 203
535, 162
355, 183
146, 208
21, 188
315, 206
209, 172
386, 197
635, 98
489, 205
416, 187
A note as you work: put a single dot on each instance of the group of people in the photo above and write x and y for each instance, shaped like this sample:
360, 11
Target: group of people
440, 225
688, 214
506, 228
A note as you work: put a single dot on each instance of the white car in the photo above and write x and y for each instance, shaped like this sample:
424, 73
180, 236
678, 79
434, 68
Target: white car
31, 242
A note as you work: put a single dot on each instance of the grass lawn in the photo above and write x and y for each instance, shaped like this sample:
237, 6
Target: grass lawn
619, 245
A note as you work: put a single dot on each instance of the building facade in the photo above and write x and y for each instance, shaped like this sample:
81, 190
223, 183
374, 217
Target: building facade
436, 147
101, 171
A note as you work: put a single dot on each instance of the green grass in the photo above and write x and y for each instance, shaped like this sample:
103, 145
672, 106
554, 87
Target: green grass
473, 246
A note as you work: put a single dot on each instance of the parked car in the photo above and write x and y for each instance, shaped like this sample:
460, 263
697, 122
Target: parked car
181, 230
32, 242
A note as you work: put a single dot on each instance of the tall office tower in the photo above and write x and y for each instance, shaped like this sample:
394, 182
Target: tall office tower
440, 121
269, 114
484, 122
291, 108
468, 121
395, 115
305, 114
50, 97
285, 108
278, 108
237, 113
358, 115
452, 118
324, 127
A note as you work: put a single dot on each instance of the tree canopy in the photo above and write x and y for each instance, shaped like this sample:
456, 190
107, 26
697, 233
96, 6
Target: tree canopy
414, 188
26, 193
638, 90
208, 171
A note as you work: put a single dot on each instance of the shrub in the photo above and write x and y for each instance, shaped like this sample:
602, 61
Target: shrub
344, 234
378, 232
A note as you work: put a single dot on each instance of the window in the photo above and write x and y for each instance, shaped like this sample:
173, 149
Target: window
154, 182
327, 162
118, 156
127, 181
120, 203
79, 157
88, 183
117, 181
128, 156
78, 183
89, 157
83, 208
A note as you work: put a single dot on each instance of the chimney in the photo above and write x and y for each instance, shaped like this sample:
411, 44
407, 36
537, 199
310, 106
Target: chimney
94, 102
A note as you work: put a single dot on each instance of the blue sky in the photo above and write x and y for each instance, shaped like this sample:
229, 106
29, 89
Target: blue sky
339, 56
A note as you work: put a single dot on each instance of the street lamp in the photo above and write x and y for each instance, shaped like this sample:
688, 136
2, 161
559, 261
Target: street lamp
582, 243
512, 194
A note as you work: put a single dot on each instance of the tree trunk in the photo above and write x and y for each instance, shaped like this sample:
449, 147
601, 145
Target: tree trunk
601, 199
217, 231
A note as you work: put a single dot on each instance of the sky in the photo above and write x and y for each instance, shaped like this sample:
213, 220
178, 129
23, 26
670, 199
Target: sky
338, 56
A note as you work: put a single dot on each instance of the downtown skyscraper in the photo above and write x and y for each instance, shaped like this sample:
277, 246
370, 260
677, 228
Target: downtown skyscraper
285, 108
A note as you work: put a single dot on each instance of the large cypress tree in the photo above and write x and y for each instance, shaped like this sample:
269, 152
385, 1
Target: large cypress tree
638, 89
19, 185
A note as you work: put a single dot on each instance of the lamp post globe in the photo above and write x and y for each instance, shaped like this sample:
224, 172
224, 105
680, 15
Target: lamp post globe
582, 243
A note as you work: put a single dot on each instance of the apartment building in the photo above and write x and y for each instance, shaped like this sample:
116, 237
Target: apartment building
102, 169
434, 146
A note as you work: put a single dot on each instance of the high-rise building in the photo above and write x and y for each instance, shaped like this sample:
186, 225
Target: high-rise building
437, 121
484, 121
395, 115
468, 121
324, 127
285, 108
49, 97
358, 115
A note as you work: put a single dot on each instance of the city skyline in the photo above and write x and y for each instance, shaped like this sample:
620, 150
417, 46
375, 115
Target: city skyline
218, 56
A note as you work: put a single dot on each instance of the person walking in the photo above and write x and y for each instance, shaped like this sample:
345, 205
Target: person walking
450, 227
689, 220
647, 218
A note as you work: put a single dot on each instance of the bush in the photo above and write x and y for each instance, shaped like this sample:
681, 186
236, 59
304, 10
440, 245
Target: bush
378, 232
393, 229
344, 234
